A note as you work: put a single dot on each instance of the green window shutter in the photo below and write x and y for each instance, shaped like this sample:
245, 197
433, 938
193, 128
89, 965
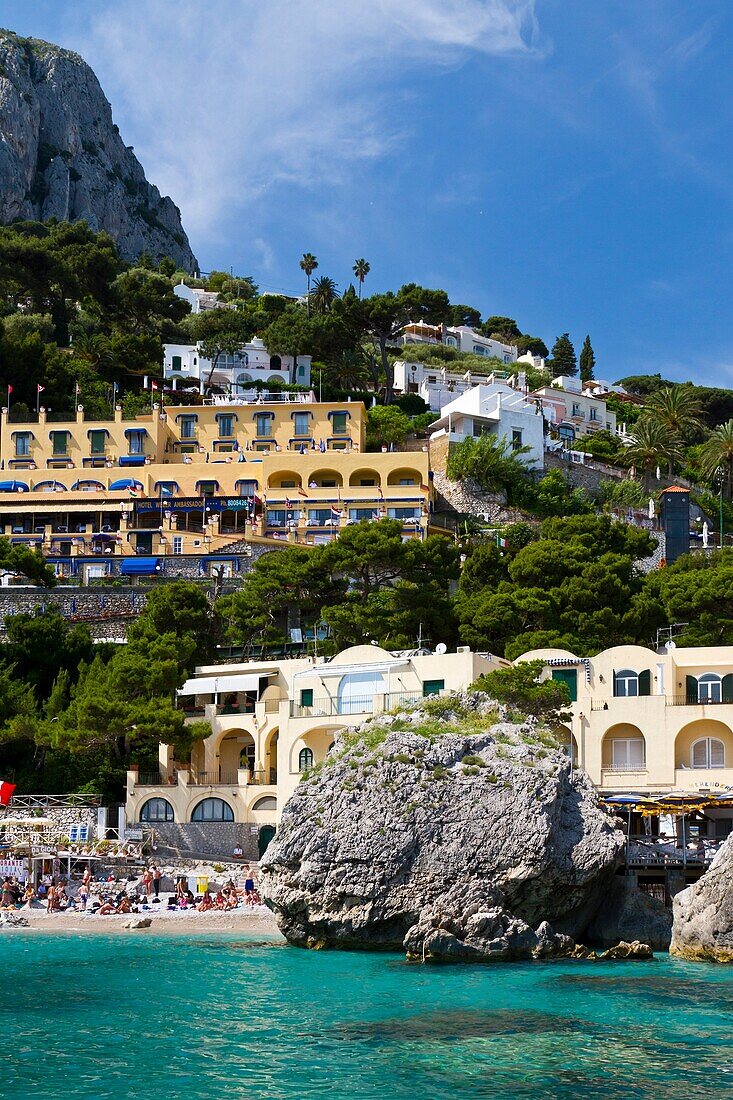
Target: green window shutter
728, 688
306, 697
615, 685
568, 676
691, 689
645, 682
433, 687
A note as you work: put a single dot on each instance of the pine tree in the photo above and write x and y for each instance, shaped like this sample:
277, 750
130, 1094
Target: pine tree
587, 361
564, 360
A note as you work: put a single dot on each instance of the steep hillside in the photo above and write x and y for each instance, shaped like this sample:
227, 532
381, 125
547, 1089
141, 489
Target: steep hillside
62, 156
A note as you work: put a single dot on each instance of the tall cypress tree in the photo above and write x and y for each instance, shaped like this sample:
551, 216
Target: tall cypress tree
587, 361
564, 360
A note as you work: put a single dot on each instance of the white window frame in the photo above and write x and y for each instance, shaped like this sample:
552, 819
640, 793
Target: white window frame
626, 676
621, 758
706, 688
708, 743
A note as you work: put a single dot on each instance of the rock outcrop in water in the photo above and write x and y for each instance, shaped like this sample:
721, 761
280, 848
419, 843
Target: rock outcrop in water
444, 830
62, 157
703, 913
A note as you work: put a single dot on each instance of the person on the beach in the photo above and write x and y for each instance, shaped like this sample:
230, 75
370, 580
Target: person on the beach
8, 899
51, 899
249, 881
206, 903
157, 876
87, 878
147, 881
29, 896
83, 896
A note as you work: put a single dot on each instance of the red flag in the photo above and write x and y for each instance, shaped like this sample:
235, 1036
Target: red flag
153, 385
40, 388
10, 390
6, 792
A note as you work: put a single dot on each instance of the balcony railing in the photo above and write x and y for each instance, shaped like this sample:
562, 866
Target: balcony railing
329, 708
624, 767
213, 779
694, 701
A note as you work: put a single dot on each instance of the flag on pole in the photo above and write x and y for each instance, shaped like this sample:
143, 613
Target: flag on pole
10, 390
6, 792
40, 388
153, 385
301, 491
132, 490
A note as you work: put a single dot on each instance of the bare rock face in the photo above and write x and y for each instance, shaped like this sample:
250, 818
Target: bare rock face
456, 844
61, 155
702, 925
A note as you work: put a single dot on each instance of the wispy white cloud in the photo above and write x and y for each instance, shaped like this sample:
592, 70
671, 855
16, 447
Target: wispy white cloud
226, 101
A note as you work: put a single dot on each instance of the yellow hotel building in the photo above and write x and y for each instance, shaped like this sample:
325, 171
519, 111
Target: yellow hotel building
199, 480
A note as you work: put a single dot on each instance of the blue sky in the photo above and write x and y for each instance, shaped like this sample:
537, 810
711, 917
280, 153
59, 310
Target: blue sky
564, 162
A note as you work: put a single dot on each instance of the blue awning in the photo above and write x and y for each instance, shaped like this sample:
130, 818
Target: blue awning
132, 460
136, 431
139, 566
125, 483
13, 487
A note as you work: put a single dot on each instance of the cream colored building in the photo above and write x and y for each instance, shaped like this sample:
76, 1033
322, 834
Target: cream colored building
272, 720
649, 722
184, 480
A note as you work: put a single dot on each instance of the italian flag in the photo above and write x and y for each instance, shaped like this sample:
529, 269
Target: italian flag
6, 792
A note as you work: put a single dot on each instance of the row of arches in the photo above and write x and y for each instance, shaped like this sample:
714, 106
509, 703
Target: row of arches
327, 479
159, 810
699, 745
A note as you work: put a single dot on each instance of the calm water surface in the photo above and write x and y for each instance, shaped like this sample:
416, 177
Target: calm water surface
165, 1017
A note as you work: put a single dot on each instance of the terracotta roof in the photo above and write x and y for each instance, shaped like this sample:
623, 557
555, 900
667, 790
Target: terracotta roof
675, 489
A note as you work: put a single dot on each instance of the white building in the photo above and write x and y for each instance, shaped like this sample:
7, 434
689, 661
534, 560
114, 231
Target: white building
438, 386
185, 367
565, 402
460, 337
199, 300
495, 410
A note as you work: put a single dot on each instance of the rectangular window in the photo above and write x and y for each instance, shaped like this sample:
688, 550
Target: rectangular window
403, 513
247, 488
568, 676
177, 544
306, 697
59, 444
628, 754
300, 423
226, 424
516, 439
339, 423
593, 414
264, 424
576, 410
319, 516
276, 517
407, 481
207, 488
175, 362
188, 427
433, 687
358, 514
97, 442
22, 444
136, 443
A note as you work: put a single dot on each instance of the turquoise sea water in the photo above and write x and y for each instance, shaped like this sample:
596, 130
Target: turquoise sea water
227, 1016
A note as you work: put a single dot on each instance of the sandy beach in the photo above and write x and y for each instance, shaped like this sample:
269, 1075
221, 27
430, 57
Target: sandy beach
257, 921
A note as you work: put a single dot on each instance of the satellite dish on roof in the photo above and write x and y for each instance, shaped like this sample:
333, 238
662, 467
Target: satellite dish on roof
670, 645
441, 648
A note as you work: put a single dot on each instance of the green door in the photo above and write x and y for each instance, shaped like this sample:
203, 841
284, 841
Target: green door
568, 676
267, 832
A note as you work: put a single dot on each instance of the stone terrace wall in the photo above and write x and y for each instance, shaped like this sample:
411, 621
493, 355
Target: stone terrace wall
211, 839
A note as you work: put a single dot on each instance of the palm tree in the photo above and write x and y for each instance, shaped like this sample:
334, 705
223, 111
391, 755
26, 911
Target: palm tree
309, 264
324, 294
717, 454
678, 411
361, 269
650, 445
93, 349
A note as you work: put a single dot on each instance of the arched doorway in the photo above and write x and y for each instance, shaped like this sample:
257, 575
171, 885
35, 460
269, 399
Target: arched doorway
270, 761
236, 750
266, 834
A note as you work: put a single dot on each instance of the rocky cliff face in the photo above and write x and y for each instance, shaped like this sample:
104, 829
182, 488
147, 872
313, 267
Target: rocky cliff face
61, 155
443, 831
703, 913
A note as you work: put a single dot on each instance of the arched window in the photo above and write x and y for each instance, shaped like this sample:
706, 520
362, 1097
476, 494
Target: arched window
708, 752
268, 802
709, 688
275, 362
627, 683
212, 809
156, 809
305, 759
